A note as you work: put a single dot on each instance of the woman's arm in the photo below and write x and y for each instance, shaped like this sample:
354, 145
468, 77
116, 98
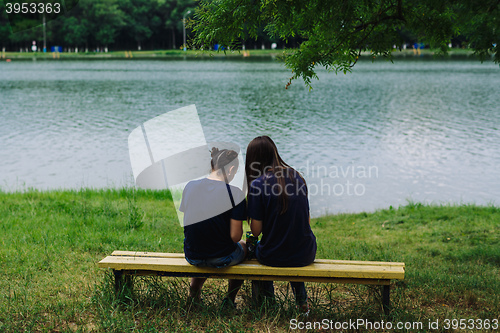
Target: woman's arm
236, 230
256, 227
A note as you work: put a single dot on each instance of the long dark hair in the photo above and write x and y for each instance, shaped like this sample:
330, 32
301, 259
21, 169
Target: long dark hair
262, 157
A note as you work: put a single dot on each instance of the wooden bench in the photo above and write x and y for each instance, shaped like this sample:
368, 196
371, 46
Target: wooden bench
126, 263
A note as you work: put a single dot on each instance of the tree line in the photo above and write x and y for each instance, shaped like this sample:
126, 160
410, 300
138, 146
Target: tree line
100, 24
96, 25
332, 34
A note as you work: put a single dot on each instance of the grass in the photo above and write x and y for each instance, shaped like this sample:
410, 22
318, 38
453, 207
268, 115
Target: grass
175, 54
51, 242
126, 54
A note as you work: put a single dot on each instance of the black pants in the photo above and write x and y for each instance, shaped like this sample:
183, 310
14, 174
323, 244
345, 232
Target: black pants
266, 289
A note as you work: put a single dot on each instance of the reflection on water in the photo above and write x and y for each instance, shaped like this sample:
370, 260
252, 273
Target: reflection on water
427, 130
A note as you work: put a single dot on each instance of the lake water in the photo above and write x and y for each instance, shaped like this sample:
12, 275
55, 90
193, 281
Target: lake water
419, 129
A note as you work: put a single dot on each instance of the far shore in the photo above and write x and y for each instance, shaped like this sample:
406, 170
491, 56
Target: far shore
193, 54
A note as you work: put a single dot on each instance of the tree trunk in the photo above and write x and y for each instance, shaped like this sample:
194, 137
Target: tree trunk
173, 38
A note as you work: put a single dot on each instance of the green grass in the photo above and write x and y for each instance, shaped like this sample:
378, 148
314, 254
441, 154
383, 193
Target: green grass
174, 54
156, 54
51, 242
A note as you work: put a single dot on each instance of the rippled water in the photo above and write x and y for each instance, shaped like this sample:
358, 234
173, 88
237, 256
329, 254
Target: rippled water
424, 130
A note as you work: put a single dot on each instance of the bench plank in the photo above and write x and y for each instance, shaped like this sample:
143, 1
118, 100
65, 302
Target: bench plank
376, 282
175, 263
326, 261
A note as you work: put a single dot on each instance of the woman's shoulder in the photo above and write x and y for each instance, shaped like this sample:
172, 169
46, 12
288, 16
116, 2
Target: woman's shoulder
191, 184
288, 173
262, 179
196, 183
296, 175
236, 192
273, 175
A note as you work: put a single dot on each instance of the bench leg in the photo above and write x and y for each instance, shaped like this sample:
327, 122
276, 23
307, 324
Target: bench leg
123, 284
262, 290
386, 292
118, 281
256, 292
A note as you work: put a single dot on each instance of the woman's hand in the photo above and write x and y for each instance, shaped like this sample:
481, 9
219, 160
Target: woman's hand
236, 230
256, 227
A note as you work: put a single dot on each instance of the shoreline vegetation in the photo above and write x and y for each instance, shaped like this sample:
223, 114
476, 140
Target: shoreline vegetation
194, 54
51, 243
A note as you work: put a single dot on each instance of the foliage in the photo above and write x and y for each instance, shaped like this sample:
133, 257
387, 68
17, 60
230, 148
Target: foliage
76, 31
4, 26
141, 19
97, 23
335, 33
106, 19
177, 12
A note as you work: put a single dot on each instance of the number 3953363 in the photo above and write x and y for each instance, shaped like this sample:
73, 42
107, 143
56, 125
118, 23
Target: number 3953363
32, 8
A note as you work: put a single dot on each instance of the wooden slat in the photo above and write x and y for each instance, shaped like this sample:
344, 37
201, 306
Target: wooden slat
323, 261
147, 254
377, 282
253, 268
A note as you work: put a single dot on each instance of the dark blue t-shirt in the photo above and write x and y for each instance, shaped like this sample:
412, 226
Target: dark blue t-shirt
208, 211
287, 239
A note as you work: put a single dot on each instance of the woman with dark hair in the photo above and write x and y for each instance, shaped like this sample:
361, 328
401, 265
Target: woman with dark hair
213, 222
279, 209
